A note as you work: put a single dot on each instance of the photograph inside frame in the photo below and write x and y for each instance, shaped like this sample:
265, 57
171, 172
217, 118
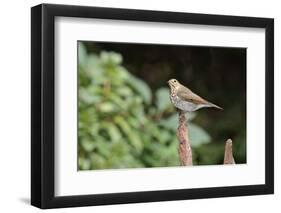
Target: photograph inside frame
158, 105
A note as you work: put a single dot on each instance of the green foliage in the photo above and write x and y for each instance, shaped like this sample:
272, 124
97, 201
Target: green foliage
122, 122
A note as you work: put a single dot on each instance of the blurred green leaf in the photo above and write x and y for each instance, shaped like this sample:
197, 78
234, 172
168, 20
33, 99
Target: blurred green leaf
198, 136
163, 99
111, 58
141, 88
107, 107
124, 91
82, 54
170, 123
98, 162
132, 135
113, 131
84, 163
87, 145
87, 97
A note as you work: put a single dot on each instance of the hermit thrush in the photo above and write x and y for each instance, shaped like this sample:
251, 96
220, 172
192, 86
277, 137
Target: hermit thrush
184, 99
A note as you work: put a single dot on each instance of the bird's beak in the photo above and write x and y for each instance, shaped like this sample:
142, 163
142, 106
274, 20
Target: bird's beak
169, 83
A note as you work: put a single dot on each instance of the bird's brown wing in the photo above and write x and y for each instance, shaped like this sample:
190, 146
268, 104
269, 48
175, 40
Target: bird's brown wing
187, 95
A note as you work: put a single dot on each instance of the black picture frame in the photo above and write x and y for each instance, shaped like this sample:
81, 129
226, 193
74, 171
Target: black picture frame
43, 102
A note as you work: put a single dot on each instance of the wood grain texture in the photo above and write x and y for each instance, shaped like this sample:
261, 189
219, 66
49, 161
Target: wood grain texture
185, 151
228, 156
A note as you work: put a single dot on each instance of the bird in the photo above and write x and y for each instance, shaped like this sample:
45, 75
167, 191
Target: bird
185, 100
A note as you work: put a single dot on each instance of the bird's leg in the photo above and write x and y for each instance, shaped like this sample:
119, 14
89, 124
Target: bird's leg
185, 151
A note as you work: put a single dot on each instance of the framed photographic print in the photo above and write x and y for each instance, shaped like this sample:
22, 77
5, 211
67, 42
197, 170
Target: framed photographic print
139, 106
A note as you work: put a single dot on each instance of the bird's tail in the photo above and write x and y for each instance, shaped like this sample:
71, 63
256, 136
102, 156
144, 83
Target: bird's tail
215, 106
